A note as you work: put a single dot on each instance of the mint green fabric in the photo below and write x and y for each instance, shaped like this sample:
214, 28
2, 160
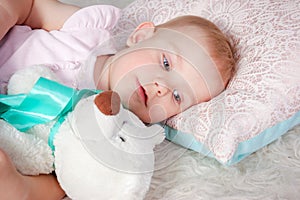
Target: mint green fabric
48, 100
245, 148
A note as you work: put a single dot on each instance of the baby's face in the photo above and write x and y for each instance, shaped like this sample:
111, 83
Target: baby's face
164, 75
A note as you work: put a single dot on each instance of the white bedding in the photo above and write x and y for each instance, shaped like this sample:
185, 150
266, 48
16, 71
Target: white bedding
271, 173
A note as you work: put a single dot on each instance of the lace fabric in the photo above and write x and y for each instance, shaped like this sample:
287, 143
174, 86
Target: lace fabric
266, 88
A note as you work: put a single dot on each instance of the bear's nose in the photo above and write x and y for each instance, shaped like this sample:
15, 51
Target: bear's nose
108, 102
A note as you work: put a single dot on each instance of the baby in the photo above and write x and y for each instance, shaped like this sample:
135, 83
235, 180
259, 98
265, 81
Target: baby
164, 70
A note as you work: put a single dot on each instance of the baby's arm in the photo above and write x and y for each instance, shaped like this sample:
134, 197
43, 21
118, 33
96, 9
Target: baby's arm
13, 12
49, 14
13, 185
45, 14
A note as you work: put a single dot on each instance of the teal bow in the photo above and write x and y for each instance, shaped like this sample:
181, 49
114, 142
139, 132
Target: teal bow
47, 100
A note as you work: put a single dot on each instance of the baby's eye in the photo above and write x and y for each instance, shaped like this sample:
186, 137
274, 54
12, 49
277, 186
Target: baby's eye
166, 63
176, 96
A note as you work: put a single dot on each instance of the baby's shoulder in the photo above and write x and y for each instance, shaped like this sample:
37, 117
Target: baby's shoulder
93, 17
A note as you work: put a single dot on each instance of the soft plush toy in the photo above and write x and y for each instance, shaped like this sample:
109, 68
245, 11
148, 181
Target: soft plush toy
102, 151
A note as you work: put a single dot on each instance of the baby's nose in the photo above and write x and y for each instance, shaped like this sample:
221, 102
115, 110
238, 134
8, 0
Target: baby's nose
161, 90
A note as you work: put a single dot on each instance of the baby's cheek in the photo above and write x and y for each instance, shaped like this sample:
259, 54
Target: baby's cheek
157, 113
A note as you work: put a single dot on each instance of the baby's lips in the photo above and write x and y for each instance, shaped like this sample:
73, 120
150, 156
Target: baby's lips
108, 102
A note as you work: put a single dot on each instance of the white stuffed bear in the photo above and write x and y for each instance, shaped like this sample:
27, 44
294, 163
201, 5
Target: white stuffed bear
97, 156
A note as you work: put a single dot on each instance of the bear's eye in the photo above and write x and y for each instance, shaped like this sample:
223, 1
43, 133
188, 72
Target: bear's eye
123, 140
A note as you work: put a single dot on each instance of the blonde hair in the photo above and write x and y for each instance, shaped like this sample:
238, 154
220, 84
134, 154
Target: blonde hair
209, 35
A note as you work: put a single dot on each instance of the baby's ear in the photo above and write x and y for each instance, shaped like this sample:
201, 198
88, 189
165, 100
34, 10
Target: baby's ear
144, 31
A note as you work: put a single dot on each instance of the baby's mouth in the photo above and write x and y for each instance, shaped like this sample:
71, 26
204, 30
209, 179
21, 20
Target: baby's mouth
143, 95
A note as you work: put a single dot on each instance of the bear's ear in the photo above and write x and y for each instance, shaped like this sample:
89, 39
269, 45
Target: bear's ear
108, 102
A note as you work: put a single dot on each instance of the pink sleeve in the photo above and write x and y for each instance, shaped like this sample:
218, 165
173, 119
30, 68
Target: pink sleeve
93, 17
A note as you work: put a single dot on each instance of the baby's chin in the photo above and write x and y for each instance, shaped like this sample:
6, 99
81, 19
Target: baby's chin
156, 113
143, 116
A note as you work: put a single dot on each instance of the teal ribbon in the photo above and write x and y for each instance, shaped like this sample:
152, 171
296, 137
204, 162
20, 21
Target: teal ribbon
47, 100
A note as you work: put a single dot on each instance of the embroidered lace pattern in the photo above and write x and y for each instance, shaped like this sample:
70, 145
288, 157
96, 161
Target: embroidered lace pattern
266, 87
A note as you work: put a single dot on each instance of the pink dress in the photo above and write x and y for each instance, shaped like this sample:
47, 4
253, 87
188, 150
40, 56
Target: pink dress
64, 51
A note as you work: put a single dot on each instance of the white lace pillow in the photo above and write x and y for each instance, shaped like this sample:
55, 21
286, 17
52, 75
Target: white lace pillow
262, 101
